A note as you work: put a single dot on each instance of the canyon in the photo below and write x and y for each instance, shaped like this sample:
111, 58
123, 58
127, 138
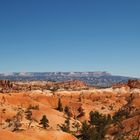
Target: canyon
73, 100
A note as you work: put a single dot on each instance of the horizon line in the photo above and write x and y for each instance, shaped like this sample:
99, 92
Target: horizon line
111, 74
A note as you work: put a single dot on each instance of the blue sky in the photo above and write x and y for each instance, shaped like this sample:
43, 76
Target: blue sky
70, 35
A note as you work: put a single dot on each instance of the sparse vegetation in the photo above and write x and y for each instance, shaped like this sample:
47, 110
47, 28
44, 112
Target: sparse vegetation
2, 115
88, 132
74, 111
81, 112
44, 122
60, 107
96, 128
76, 125
67, 111
33, 107
28, 113
16, 122
66, 126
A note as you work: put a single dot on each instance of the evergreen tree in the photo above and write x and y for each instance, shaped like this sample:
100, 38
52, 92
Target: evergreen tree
85, 131
66, 126
67, 111
16, 123
81, 112
60, 107
44, 122
100, 123
29, 116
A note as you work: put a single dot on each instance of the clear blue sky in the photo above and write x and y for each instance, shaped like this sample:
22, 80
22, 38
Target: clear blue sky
70, 35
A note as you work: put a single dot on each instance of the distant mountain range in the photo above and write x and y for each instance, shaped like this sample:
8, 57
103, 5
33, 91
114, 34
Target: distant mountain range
101, 79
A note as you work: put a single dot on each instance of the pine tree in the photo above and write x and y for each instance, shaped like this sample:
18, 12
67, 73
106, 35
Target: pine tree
29, 116
66, 126
100, 123
44, 122
16, 123
60, 107
85, 135
81, 112
67, 111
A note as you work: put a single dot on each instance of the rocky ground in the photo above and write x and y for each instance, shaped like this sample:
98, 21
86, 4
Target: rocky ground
17, 99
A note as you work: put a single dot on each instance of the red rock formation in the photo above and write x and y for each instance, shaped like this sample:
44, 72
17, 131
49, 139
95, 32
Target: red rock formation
130, 84
134, 84
5, 85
